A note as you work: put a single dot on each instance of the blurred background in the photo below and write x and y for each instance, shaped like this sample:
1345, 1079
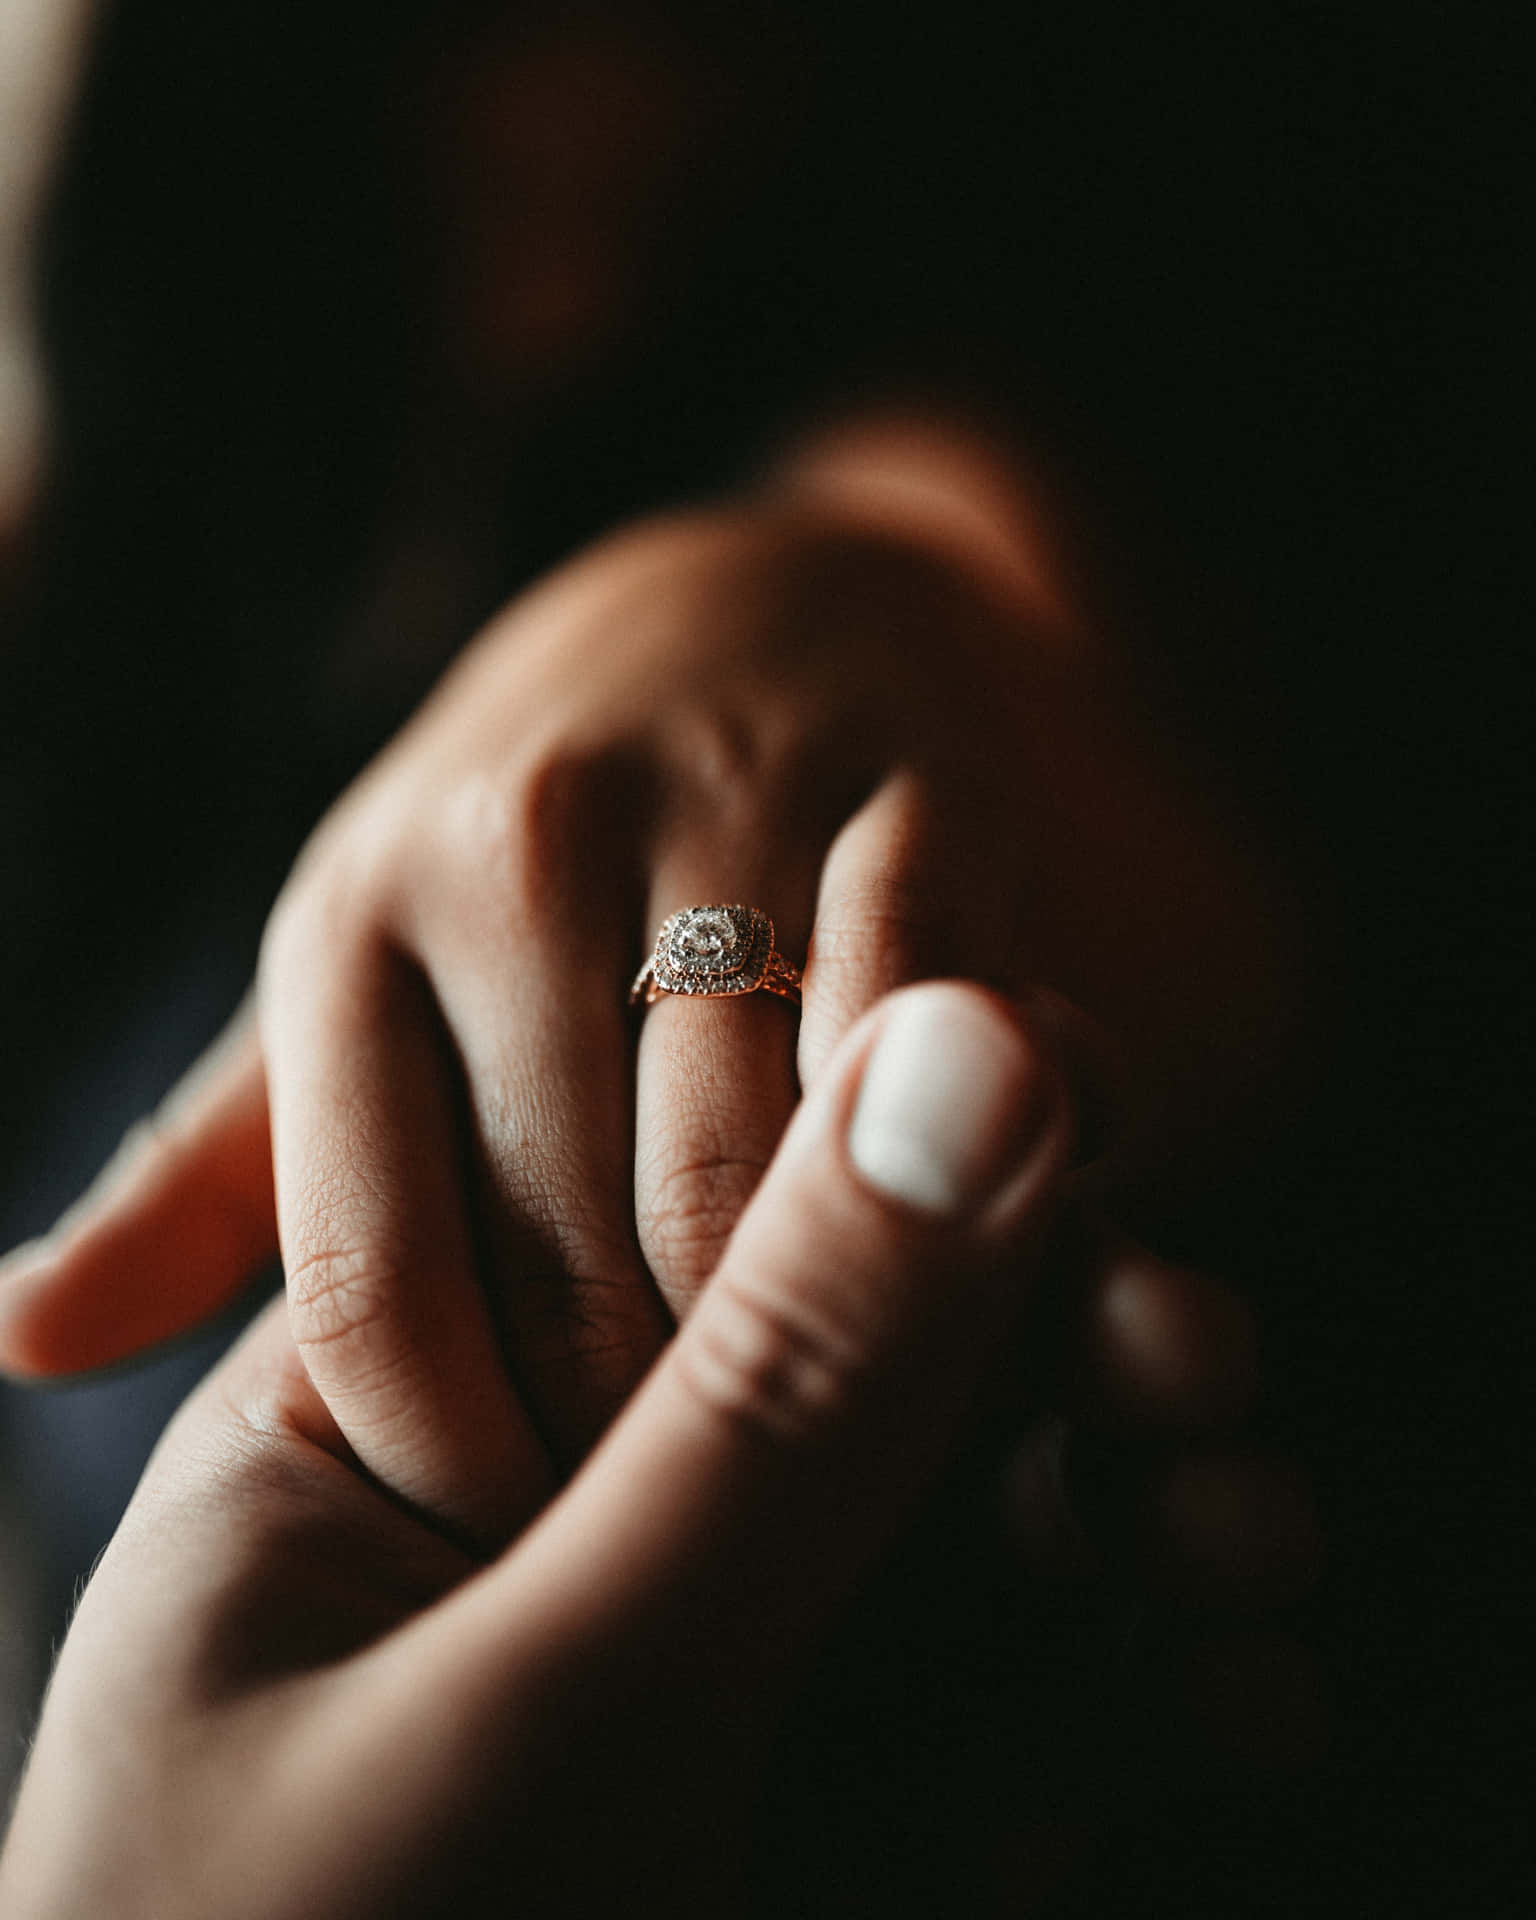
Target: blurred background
324, 327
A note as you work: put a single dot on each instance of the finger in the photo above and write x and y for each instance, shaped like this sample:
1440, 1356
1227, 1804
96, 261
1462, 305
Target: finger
384, 1302
891, 892
253, 1546
551, 1104
715, 1076
807, 1403
172, 1228
1147, 1351
532, 987
908, 892
1150, 1342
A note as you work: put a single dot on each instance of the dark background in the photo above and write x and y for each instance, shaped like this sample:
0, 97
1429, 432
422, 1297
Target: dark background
1247, 272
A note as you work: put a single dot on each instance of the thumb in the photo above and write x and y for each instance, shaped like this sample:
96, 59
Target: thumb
174, 1225
810, 1399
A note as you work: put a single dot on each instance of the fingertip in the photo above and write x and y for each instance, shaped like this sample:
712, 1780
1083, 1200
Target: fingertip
163, 1239
1159, 1342
61, 1314
25, 1274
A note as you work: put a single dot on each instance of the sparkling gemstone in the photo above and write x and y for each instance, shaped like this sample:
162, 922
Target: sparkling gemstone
706, 936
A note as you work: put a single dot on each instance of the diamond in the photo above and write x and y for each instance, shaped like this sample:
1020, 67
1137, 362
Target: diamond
713, 949
707, 934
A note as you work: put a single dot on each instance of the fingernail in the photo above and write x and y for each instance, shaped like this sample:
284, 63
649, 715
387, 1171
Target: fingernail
949, 1105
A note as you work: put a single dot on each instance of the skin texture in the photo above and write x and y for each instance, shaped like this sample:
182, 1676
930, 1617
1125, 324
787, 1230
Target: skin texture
495, 1201
287, 1693
843, 705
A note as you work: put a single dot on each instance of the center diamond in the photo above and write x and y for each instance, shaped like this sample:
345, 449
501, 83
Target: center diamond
707, 935
713, 949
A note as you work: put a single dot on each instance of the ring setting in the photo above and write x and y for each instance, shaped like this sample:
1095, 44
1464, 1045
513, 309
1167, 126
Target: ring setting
715, 951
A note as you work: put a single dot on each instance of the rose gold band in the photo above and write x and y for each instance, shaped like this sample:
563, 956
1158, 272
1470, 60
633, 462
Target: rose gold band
713, 952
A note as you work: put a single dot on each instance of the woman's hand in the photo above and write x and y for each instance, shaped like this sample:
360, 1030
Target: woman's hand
286, 1694
851, 712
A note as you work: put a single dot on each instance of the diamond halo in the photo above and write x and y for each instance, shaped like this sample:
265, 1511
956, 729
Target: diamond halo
713, 949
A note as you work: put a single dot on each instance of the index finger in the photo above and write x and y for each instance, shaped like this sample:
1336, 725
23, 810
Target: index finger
176, 1223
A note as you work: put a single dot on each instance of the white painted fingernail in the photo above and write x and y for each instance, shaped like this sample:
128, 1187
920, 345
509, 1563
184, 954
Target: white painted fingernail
946, 1094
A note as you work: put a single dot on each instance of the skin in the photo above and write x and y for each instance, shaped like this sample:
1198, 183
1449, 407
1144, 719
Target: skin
405, 1728
869, 700
865, 701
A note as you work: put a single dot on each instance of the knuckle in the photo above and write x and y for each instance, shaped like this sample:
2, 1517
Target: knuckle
770, 1365
556, 1217
887, 929
342, 869
316, 916
283, 937
726, 758
748, 767
890, 899
343, 1301
154, 1147
574, 1317
517, 830
692, 1212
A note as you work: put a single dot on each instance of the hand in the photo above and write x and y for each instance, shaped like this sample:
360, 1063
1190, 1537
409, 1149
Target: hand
285, 1694
898, 743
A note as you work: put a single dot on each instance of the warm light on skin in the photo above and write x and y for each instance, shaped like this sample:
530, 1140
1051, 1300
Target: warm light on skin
928, 476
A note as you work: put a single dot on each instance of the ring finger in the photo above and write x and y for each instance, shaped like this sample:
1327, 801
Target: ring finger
716, 1080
